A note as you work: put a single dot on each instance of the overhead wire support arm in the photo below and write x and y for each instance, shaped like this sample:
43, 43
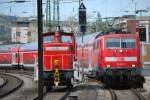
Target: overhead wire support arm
48, 15
58, 16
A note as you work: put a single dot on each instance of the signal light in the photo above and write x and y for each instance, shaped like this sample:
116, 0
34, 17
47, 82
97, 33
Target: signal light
108, 66
133, 65
142, 34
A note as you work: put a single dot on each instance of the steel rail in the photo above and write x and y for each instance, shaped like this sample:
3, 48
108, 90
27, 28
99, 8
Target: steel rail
113, 94
135, 92
4, 83
7, 88
64, 97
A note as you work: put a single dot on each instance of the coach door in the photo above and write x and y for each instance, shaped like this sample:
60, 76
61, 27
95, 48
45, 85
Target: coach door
96, 53
13, 58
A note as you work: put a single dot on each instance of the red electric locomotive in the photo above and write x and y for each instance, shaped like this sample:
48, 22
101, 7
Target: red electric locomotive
112, 58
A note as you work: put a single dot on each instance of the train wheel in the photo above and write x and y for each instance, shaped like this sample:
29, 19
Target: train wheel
137, 82
141, 85
69, 84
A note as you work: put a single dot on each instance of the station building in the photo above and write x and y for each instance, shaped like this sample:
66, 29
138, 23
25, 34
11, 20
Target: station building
25, 30
17, 29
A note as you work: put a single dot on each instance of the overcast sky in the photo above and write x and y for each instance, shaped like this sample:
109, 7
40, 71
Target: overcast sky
107, 8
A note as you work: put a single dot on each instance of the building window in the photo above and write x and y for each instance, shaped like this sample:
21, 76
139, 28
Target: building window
18, 34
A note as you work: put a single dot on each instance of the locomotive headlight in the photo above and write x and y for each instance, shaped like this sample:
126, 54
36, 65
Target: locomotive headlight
108, 66
133, 65
121, 50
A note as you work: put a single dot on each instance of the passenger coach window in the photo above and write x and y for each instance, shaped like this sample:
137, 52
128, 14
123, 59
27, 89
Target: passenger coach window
49, 38
127, 43
112, 43
66, 39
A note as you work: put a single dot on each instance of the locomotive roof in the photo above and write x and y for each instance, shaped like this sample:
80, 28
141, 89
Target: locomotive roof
89, 39
29, 46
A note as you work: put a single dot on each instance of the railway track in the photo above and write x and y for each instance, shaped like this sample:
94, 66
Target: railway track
56, 94
4, 82
12, 84
130, 94
88, 91
91, 90
113, 94
27, 73
122, 94
141, 97
26, 92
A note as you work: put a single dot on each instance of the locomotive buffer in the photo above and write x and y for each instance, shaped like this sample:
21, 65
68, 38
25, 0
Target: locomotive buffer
57, 74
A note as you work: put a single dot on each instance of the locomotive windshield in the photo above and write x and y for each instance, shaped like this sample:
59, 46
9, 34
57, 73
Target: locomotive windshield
127, 43
113, 43
120, 43
66, 39
49, 38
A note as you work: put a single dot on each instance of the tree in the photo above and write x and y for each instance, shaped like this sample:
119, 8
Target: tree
71, 24
98, 25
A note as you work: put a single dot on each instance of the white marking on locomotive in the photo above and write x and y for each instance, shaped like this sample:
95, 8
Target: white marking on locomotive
130, 58
56, 48
115, 59
112, 59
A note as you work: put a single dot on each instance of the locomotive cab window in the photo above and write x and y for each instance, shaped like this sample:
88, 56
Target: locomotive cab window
66, 39
120, 43
128, 43
113, 43
49, 38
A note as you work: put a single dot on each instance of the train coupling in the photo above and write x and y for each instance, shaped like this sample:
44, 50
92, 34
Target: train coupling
57, 73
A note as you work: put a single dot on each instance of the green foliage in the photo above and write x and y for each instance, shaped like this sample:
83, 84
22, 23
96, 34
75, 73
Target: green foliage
97, 25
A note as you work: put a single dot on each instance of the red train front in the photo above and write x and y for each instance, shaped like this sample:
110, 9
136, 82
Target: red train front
59, 56
113, 58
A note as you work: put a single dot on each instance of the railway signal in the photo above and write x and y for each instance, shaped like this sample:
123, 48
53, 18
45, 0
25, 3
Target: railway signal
82, 18
142, 33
